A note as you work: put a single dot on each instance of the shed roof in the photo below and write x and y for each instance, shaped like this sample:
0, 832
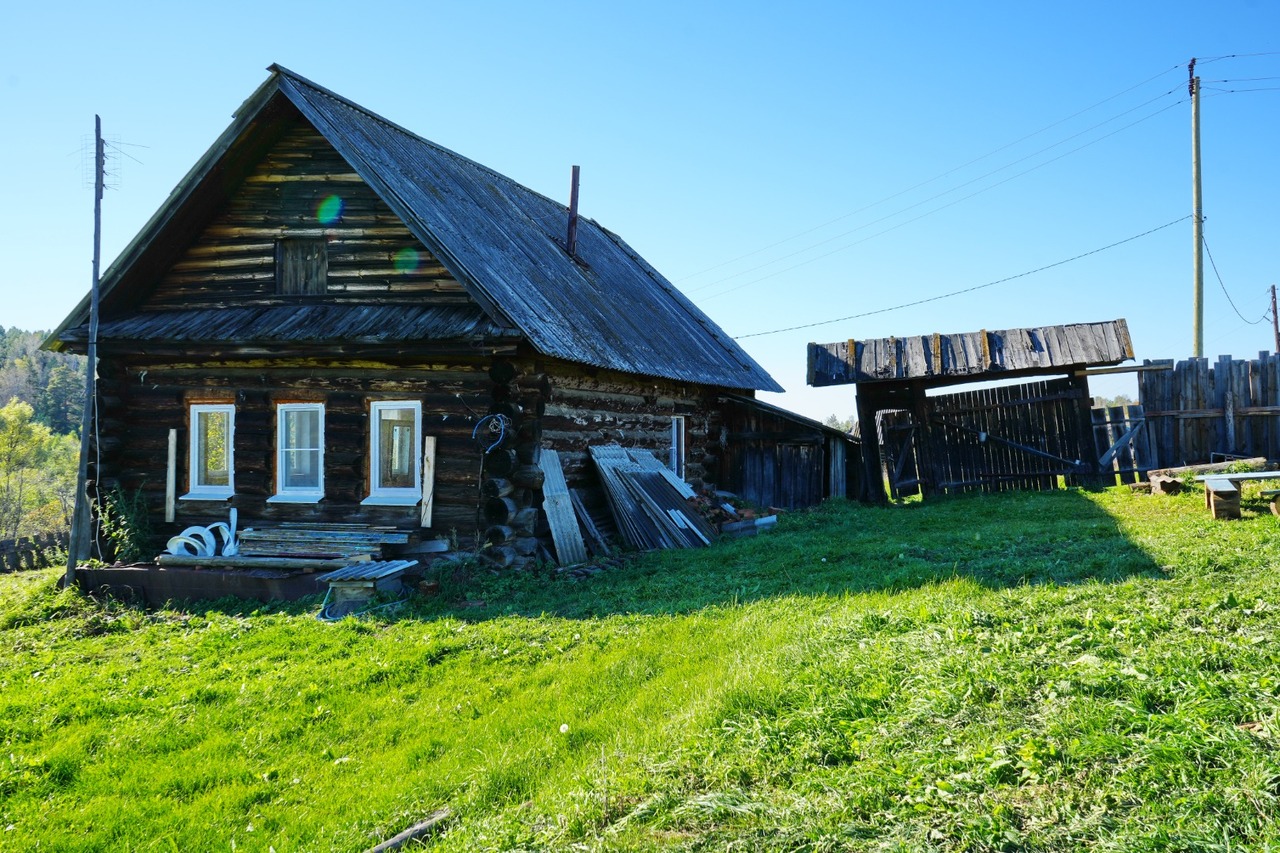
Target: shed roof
971, 356
605, 307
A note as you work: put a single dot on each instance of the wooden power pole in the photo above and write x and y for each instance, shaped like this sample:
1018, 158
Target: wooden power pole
1197, 224
78, 546
1275, 321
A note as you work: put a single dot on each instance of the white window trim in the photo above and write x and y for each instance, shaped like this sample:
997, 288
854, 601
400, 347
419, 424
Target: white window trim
210, 493
677, 459
297, 495
393, 496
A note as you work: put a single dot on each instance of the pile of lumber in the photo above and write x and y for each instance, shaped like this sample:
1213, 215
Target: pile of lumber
650, 504
320, 541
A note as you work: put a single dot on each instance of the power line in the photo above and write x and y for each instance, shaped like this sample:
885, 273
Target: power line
767, 276
1239, 91
1230, 301
1235, 56
942, 175
967, 289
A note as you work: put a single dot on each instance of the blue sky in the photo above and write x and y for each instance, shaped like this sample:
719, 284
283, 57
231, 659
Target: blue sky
782, 164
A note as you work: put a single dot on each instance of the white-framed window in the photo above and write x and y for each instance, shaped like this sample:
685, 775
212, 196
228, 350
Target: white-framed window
299, 453
395, 452
677, 445
211, 457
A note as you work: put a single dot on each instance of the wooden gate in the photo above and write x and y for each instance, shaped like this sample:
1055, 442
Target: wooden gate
896, 430
1007, 437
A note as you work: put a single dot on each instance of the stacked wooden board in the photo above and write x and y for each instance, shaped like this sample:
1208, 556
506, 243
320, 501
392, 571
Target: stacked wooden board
648, 507
558, 505
291, 539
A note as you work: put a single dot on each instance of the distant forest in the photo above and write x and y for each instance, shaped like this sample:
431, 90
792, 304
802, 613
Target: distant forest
51, 383
41, 401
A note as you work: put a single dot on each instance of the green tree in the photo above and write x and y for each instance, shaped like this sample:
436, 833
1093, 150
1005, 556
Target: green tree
37, 474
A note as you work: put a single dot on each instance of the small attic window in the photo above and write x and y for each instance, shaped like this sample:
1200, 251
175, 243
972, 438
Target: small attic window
302, 266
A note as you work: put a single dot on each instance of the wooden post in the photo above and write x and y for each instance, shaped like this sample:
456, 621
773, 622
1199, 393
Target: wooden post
1229, 421
873, 477
78, 546
171, 479
428, 478
1197, 221
1275, 319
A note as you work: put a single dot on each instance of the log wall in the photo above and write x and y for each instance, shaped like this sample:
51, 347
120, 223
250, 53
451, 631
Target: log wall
303, 188
584, 407
140, 402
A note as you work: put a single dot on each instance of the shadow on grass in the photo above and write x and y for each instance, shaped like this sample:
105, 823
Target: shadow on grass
998, 541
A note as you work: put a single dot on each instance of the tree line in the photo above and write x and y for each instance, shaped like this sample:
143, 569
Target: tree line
41, 405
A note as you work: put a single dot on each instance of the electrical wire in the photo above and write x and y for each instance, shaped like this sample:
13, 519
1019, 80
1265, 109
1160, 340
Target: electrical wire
937, 177
1234, 56
1230, 301
958, 187
967, 289
767, 276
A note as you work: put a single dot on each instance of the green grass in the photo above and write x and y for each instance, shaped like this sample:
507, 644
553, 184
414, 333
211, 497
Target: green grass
1013, 672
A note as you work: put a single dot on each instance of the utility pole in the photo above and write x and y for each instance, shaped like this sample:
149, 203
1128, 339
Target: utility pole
1275, 321
1197, 224
78, 546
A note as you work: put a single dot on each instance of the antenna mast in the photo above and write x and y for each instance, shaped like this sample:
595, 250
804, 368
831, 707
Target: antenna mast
78, 546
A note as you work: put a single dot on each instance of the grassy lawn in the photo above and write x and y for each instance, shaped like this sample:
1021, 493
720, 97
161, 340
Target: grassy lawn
1013, 672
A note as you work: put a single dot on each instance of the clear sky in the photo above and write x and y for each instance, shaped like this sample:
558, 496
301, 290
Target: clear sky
783, 164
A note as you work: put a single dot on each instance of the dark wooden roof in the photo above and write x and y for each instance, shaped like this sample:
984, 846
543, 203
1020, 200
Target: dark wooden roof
971, 356
606, 307
299, 323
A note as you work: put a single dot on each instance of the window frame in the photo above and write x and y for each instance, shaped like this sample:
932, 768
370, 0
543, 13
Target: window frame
380, 495
677, 460
290, 252
198, 491
298, 494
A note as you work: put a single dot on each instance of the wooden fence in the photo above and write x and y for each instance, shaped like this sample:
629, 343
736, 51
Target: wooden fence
1197, 412
35, 552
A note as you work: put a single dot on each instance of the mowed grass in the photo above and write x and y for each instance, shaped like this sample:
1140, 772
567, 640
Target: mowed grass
1056, 671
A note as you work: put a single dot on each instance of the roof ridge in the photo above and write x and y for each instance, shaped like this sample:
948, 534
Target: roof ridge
276, 68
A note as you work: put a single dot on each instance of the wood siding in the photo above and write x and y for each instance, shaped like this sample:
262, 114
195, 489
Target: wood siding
1196, 408
777, 459
304, 189
584, 407
141, 401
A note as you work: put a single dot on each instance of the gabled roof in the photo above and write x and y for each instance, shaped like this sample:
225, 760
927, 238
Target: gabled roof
606, 307
971, 356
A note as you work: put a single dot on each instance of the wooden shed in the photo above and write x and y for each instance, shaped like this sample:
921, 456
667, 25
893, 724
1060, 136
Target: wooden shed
773, 457
995, 437
333, 319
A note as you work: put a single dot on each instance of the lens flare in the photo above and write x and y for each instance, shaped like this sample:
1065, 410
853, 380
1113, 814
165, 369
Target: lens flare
329, 210
406, 260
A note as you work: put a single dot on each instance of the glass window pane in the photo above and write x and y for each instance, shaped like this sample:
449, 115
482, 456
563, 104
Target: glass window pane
396, 444
300, 448
214, 452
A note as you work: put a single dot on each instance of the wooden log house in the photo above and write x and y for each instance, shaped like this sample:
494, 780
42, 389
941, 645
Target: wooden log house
332, 319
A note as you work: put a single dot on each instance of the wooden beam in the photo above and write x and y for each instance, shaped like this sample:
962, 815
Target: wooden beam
171, 479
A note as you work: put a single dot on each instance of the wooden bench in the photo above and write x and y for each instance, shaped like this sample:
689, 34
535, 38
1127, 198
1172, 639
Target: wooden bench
1222, 497
351, 588
1222, 491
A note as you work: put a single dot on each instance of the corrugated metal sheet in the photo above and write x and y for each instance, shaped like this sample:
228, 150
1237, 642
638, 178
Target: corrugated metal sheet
301, 323
971, 355
607, 308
